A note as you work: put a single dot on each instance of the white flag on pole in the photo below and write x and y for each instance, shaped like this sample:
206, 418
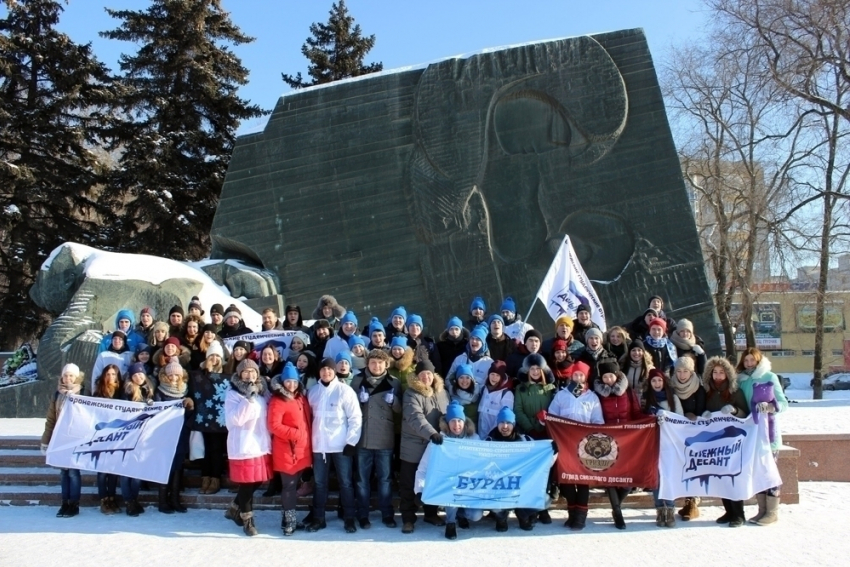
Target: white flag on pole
566, 286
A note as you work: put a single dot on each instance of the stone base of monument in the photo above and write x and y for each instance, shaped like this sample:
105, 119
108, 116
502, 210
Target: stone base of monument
26, 481
823, 457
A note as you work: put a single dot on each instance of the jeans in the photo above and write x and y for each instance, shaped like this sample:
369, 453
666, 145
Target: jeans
471, 514
106, 484
344, 472
71, 484
379, 460
130, 488
661, 503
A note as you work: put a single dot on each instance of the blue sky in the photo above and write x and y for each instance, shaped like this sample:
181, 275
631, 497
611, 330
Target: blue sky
407, 33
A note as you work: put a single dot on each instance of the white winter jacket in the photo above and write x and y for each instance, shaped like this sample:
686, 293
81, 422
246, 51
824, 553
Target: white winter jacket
585, 409
480, 368
247, 430
488, 409
337, 419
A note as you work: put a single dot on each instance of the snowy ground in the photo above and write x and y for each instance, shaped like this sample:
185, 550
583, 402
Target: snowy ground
810, 533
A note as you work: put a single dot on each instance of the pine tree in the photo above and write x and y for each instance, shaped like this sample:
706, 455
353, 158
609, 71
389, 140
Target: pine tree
52, 99
335, 51
181, 112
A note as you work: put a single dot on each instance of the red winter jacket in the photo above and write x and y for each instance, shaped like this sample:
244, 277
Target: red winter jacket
619, 402
289, 425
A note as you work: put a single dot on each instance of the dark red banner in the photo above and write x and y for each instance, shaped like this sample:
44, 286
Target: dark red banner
606, 455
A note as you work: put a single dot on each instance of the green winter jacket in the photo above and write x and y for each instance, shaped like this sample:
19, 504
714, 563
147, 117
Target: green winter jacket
762, 373
529, 399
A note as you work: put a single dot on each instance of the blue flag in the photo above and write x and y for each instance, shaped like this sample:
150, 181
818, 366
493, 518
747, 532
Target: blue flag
488, 475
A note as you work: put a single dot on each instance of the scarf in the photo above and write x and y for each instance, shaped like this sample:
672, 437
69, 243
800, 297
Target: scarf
594, 353
617, 389
634, 372
178, 391
72, 389
686, 390
683, 344
656, 343
248, 389
661, 396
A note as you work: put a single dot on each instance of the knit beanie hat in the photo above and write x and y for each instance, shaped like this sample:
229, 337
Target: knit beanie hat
506, 414
303, 337
375, 325
233, 311
455, 411
508, 305
637, 343
578, 367
215, 348
593, 332
172, 341
559, 344
608, 368
685, 362
356, 340
658, 297
414, 319
349, 317
533, 333
656, 372
124, 336
659, 322
343, 355
247, 364
495, 317
328, 363
289, 372
399, 311
454, 322
196, 303
564, 320
479, 333
499, 367
582, 307
217, 308
147, 310
137, 368
464, 370
246, 345
175, 309
71, 368
423, 365
399, 341
684, 324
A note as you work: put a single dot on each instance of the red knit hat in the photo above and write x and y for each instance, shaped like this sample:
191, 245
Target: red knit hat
659, 322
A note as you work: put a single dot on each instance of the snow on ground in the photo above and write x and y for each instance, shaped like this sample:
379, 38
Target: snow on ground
809, 533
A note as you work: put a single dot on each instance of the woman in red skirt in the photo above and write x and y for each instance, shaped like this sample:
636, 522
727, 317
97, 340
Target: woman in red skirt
248, 441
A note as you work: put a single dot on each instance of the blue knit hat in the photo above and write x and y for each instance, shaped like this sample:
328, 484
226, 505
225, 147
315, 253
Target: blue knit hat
464, 370
495, 317
506, 414
455, 411
454, 322
480, 333
414, 319
289, 372
477, 303
398, 341
356, 340
125, 314
508, 305
343, 355
375, 325
400, 311
136, 369
349, 317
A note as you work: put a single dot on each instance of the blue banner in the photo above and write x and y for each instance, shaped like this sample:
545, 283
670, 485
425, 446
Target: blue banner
488, 475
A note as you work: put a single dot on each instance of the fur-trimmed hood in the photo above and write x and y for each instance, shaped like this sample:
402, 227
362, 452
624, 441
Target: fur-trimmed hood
618, 389
468, 429
464, 336
247, 389
414, 384
338, 309
731, 374
404, 363
762, 368
277, 389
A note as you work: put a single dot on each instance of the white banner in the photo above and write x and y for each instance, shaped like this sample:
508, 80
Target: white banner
723, 456
280, 340
112, 436
566, 286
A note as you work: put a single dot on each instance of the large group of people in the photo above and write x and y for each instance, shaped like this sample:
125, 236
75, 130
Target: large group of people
371, 402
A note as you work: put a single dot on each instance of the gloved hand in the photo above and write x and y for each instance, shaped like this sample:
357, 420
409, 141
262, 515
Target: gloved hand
364, 395
43, 448
541, 416
349, 450
652, 410
389, 398
698, 350
437, 439
554, 446
729, 409
659, 418
765, 407
706, 414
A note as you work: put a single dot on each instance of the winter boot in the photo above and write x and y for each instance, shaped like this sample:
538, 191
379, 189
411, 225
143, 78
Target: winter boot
761, 498
451, 531
308, 519
106, 507
205, 485
691, 509
669, 517
164, 500
544, 518
133, 508
248, 523
114, 505
215, 485
736, 507
771, 514
73, 509
579, 518
728, 515
571, 513
660, 516
232, 513
174, 492
63, 510
290, 520
615, 496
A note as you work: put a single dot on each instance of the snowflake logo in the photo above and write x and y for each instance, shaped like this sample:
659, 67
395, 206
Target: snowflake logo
220, 420
197, 395
199, 418
209, 404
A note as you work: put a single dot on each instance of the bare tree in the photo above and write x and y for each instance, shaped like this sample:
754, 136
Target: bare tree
804, 46
740, 147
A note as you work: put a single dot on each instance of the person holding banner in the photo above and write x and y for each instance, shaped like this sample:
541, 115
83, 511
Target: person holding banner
107, 385
208, 387
137, 388
577, 403
70, 382
455, 425
754, 369
619, 405
659, 395
688, 388
292, 452
173, 385
506, 431
248, 441
424, 403
723, 395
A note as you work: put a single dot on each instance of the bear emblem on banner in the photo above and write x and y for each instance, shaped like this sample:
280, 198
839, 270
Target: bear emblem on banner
598, 452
